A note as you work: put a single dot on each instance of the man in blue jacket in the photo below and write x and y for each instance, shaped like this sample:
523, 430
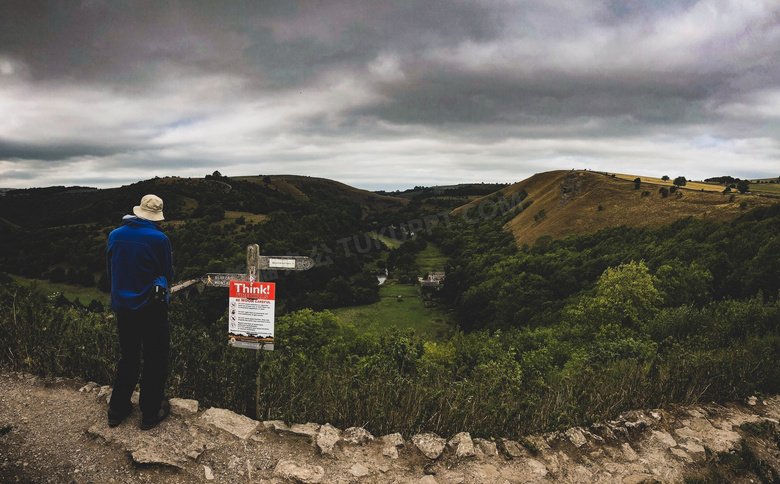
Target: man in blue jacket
140, 266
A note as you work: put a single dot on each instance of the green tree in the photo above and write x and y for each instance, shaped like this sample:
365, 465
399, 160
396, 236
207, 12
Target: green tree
679, 284
680, 181
743, 186
624, 295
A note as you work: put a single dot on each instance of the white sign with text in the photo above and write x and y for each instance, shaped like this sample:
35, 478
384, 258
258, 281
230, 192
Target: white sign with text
251, 314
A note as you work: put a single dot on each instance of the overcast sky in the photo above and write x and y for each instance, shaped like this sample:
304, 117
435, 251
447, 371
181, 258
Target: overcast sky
386, 94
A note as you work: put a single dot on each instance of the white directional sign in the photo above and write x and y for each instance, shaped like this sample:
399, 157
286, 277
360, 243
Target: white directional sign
285, 262
276, 263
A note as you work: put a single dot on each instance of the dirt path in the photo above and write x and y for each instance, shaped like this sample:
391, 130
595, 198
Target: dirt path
55, 430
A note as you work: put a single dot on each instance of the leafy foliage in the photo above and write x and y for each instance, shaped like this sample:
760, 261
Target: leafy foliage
557, 334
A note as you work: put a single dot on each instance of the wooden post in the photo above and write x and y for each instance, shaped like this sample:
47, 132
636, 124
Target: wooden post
253, 355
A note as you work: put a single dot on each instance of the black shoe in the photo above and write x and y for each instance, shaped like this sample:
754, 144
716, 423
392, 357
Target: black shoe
115, 418
148, 423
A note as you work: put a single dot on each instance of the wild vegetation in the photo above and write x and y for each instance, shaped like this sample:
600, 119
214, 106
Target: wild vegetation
547, 335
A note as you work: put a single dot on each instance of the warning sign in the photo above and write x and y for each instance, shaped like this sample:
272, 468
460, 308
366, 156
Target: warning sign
251, 314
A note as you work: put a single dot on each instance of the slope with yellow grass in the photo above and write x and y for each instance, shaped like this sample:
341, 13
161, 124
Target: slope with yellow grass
580, 202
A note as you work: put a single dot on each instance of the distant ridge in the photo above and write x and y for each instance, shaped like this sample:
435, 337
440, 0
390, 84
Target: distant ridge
581, 202
241, 195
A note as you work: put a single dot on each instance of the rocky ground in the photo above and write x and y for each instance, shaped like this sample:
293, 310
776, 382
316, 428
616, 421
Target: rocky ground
55, 430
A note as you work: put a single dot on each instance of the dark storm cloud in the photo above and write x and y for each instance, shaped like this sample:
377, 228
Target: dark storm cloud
52, 152
345, 88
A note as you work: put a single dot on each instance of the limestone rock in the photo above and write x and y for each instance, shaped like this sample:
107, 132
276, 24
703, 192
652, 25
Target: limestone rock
169, 444
390, 451
359, 470
696, 451
238, 425
357, 435
326, 439
431, 445
463, 445
576, 437
486, 447
538, 442
89, 387
183, 406
512, 448
305, 430
681, 454
304, 474
628, 453
604, 431
535, 469
104, 393
155, 455
276, 426
662, 439
396, 440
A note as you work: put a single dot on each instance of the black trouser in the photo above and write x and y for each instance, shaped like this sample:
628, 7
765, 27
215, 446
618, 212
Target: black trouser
148, 328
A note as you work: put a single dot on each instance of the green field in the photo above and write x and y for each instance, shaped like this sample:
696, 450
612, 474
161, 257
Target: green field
765, 188
431, 259
410, 312
389, 242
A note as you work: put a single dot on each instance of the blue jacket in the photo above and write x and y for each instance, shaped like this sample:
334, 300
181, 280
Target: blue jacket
138, 258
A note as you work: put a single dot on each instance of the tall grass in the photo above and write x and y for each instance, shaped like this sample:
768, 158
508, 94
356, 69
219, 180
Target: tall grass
500, 384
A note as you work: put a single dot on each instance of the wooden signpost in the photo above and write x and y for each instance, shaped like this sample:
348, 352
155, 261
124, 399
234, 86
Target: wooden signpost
251, 313
251, 303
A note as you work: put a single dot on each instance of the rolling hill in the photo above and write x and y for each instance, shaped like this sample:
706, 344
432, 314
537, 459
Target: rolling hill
580, 202
185, 198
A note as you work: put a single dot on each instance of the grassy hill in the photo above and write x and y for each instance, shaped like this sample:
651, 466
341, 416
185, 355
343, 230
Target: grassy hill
580, 202
305, 188
185, 198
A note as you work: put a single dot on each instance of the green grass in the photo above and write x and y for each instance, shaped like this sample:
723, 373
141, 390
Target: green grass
765, 188
391, 289
431, 259
389, 241
84, 294
388, 312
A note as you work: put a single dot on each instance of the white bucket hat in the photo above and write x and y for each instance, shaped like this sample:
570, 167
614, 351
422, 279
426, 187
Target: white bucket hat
151, 208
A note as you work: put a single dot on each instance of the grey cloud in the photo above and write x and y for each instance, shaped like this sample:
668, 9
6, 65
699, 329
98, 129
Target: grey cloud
55, 152
188, 86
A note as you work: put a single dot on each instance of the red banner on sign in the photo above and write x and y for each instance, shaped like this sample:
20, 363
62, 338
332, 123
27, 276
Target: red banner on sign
253, 290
